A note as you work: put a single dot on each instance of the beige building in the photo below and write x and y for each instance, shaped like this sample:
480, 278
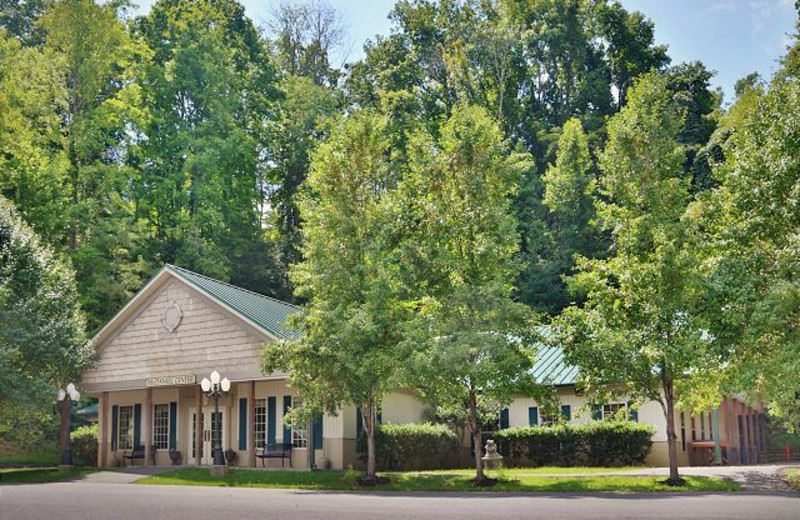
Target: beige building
182, 326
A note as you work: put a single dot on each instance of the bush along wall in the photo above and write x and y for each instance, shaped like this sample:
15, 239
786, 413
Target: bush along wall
84, 445
412, 447
598, 443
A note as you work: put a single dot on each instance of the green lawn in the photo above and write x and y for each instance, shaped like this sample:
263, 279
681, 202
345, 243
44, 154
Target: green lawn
509, 481
20, 459
39, 475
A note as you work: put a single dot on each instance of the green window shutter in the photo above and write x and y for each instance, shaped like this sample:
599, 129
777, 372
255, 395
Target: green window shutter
533, 416
380, 418
633, 413
316, 427
597, 412
114, 426
272, 412
566, 412
287, 432
359, 422
242, 423
137, 425
504, 422
173, 425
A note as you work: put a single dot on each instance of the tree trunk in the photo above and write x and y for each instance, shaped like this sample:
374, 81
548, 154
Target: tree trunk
475, 430
66, 445
669, 413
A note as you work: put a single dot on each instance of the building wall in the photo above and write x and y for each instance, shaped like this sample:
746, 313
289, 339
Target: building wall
208, 338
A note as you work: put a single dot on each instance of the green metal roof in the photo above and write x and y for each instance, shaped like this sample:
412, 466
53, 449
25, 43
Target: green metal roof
266, 312
550, 367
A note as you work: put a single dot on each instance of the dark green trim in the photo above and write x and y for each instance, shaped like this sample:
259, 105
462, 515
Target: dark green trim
272, 407
114, 426
533, 416
316, 432
242, 423
597, 412
359, 422
287, 431
566, 412
137, 425
173, 425
504, 419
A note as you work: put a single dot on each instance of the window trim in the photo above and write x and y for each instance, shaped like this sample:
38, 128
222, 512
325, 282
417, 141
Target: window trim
153, 430
127, 433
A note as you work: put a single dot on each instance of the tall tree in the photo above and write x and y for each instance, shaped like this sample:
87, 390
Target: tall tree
43, 344
203, 157
642, 325
349, 329
467, 340
752, 220
19, 18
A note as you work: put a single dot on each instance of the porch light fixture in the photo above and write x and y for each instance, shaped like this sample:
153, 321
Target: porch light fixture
65, 399
214, 388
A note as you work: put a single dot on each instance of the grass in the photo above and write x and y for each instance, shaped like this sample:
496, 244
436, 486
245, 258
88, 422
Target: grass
20, 459
508, 481
793, 477
39, 475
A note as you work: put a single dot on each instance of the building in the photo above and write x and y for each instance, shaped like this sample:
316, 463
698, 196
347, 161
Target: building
182, 326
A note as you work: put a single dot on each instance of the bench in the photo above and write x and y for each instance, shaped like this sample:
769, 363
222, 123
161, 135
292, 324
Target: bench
138, 453
275, 451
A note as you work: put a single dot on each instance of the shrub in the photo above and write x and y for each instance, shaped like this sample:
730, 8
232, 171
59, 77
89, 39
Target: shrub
599, 443
84, 445
412, 446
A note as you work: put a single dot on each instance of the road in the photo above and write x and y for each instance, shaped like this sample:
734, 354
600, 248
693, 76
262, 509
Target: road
89, 501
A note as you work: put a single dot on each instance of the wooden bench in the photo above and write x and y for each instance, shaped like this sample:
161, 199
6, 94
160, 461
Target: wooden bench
136, 453
275, 451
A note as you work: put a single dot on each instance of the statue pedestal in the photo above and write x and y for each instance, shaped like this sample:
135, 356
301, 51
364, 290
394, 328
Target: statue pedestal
492, 459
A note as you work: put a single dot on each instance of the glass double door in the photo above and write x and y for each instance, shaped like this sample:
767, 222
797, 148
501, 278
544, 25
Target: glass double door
207, 424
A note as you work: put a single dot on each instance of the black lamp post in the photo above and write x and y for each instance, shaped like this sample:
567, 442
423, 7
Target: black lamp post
214, 388
65, 400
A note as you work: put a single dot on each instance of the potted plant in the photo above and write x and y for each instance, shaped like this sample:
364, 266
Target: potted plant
230, 456
175, 456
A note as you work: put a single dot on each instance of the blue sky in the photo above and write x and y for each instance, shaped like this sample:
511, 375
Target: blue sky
732, 37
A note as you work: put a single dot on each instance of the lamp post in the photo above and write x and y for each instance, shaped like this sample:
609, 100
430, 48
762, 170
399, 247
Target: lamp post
214, 388
65, 399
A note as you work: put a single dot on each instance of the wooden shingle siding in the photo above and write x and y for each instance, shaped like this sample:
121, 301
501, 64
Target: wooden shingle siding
208, 338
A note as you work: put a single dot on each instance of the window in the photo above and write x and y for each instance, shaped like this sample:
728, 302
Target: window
710, 426
125, 428
611, 409
549, 420
702, 426
260, 423
694, 432
299, 435
161, 426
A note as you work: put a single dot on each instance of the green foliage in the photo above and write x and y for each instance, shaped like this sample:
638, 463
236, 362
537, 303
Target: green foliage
84, 445
466, 340
413, 447
597, 443
752, 217
43, 344
347, 352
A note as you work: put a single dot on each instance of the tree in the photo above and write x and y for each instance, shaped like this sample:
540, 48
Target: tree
202, 159
19, 18
751, 234
467, 341
43, 344
349, 329
642, 326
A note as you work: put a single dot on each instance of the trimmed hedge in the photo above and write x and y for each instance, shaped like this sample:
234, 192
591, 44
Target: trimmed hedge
598, 443
84, 445
412, 447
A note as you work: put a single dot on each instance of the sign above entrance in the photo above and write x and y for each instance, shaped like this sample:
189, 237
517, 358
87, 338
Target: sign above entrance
171, 380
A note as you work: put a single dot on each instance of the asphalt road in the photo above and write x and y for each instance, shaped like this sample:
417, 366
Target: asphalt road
89, 501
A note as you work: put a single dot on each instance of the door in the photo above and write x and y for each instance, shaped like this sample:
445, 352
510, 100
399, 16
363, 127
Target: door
207, 421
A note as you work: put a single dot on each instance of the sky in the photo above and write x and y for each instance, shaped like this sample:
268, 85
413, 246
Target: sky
732, 37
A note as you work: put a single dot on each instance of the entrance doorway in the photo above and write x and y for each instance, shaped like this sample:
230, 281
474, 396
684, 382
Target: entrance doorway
207, 421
